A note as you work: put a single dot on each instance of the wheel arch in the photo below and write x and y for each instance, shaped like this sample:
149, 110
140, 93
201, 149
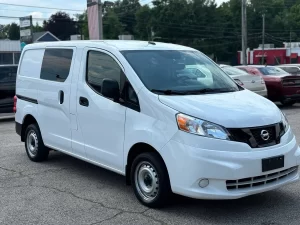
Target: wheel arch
136, 150
28, 119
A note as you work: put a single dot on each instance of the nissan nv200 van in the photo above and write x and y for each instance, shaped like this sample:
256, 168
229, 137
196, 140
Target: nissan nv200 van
138, 109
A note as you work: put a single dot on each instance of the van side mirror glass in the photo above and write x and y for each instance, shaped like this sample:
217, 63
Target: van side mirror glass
110, 89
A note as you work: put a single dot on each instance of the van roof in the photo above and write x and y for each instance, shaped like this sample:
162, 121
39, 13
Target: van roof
117, 44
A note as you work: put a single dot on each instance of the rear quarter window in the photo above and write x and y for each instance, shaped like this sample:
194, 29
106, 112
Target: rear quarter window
30, 65
56, 64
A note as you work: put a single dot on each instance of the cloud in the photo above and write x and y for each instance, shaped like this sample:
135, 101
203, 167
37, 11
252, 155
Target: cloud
37, 14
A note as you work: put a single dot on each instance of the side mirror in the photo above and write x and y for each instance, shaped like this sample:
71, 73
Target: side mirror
110, 89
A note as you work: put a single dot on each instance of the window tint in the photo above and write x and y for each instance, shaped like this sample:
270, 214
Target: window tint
274, 71
291, 70
100, 66
56, 64
6, 58
17, 57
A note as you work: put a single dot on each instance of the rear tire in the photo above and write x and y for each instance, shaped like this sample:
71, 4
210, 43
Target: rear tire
34, 145
150, 180
287, 103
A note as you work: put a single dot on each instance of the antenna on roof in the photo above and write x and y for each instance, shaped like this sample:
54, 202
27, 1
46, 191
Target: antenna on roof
151, 43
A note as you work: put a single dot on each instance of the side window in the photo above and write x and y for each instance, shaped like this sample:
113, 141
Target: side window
56, 64
100, 66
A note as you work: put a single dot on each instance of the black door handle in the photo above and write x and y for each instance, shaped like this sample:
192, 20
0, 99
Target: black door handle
84, 101
61, 97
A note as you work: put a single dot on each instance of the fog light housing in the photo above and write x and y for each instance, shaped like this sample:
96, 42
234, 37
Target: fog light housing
203, 183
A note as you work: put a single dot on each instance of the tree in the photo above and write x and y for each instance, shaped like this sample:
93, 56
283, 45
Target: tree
83, 27
143, 26
14, 32
125, 11
111, 25
61, 25
37, 28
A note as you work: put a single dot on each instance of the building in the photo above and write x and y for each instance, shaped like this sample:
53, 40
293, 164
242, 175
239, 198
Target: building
289, 53
10, 51
44, 36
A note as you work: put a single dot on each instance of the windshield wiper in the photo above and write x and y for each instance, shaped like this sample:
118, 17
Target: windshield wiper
169, 92
193, 92
210, 90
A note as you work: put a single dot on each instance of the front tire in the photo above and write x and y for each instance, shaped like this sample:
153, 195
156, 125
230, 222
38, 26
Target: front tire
150, 180
34, 145
287, 103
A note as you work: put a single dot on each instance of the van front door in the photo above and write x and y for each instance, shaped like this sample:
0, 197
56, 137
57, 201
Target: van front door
54, 97
100, 119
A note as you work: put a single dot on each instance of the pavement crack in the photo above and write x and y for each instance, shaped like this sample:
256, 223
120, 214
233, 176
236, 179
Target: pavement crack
154, 219
108, 219
10, 170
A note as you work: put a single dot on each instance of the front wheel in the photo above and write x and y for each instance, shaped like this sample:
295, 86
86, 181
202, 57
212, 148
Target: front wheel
150, 180
35, 148
287, 103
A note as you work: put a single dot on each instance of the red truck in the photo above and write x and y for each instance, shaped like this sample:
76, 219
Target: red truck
281, 85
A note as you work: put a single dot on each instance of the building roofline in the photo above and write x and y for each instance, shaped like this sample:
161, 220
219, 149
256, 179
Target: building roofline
48, 32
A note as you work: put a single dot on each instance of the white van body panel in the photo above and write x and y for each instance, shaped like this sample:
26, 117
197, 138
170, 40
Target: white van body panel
227, 111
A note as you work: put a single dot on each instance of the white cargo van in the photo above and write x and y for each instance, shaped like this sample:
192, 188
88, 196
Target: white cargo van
128, 106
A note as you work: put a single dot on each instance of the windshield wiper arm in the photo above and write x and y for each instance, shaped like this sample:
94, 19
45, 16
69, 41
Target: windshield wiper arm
169, 92
210, 90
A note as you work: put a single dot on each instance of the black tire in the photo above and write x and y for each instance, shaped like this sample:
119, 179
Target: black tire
33, 137
159, 179
288, 103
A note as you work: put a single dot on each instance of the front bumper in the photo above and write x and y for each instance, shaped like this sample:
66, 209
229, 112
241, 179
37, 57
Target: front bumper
188, 163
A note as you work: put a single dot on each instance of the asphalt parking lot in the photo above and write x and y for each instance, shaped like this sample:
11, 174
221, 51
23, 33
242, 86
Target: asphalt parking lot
64, 190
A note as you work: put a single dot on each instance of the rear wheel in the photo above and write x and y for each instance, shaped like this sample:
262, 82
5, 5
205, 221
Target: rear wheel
35, 148
150, 180
287, 102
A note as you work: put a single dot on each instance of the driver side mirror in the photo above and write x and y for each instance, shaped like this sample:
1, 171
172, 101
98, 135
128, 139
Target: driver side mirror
110, 89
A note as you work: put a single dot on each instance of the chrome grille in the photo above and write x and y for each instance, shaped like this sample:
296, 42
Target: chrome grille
259, 181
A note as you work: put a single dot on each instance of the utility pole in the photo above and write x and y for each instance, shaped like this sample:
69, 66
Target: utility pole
100, 20
244, 32
263, 39
290, 46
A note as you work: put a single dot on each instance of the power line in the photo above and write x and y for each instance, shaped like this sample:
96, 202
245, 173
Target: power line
40, 7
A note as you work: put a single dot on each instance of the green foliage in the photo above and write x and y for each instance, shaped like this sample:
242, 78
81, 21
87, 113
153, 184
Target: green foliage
61, 25
14, 32
202, 24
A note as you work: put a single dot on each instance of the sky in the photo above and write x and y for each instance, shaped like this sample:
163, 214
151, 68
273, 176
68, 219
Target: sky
40, 13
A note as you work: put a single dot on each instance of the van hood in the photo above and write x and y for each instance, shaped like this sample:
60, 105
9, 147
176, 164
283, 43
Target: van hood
231, 110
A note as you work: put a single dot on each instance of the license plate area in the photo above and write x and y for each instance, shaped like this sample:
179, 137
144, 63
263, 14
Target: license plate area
272, 163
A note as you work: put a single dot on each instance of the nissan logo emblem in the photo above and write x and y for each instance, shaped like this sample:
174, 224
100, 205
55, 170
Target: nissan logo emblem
265, 135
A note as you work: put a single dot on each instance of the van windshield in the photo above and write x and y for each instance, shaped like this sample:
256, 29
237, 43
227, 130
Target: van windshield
179, 72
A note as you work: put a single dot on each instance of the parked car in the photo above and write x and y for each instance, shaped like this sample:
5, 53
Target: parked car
252, 83
281, 85
293, 69
7, 87
125, 106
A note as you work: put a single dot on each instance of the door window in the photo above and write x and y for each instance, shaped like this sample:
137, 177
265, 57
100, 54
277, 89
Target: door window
56, 64
100, 66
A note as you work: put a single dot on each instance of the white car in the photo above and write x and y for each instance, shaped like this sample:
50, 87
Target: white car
125, 106
251, 82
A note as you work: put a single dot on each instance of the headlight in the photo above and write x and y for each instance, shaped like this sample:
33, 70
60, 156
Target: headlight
201, 127
284, 122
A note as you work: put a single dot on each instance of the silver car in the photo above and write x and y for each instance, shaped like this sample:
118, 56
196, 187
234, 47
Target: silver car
253, 83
